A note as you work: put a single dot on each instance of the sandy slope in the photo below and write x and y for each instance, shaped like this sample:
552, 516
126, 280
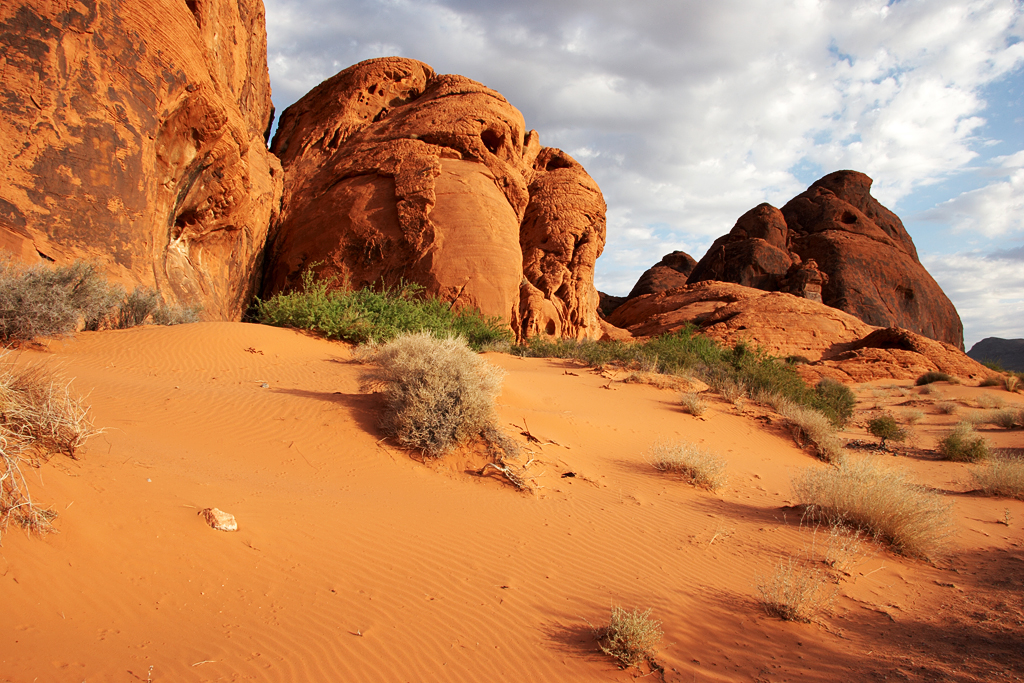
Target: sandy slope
356, 562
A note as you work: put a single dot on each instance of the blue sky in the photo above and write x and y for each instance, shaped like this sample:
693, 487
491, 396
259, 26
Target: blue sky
688, 112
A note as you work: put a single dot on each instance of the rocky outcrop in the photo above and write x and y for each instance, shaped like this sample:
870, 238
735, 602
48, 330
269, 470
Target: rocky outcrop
836, 244
827, 342
133, 134
397, 174
1009, 353
670, 272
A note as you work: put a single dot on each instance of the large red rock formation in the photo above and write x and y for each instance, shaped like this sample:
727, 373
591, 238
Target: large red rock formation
836, 244
395, 173
833, 342
133, 134
673, 270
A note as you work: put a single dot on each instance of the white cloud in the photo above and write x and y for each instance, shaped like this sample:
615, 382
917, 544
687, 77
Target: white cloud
988, 292
997, 209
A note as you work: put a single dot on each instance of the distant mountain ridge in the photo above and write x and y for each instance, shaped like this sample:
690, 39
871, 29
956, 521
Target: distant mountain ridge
1009, 353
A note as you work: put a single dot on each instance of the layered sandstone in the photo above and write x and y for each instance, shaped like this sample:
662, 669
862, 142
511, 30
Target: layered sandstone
133, 134
836, 244
397, 174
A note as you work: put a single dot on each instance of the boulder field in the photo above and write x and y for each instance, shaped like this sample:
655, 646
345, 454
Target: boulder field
394, 173
133, 135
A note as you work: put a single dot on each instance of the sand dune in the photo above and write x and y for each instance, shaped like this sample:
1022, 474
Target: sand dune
354, 561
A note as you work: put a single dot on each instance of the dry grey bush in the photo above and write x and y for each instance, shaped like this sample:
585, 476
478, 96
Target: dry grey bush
1012, 383
912, 416
988, 401
1003, 474
39, 416
693, 403
947, 407
882, 501
1007, 418
843, 548
963, 444
795, 591
695, 464
438, 393
931, 390
631, 637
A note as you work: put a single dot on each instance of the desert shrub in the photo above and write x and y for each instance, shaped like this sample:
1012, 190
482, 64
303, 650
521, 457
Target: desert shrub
695, 464
438, 393
931, 390
886, 428
1012, 383
631, 637
912, 416
794, 591
988, 401
991, 381
962, 444
136, 307
1007, 419
41, 300
39, 416
933, 376
835, 400
693, 403
1003, 474
365, 315
810, 425
881, 501
176, 315
731, 390
948, 407
843, 548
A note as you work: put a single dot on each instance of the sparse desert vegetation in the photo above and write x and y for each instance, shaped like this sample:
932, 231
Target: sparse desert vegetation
438, 393
880, 500
693, 403
963, 444
631, 637
811, 426
39, 417
365, 315
694, 463
934, 376
887, 429
1003, 474
948, 407
795, 591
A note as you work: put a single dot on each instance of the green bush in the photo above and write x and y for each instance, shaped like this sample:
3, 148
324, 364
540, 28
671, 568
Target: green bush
886, 428
962, 444
929, 377
364, 315
176, 315
136, 307
437, 392
41, 301
835, 400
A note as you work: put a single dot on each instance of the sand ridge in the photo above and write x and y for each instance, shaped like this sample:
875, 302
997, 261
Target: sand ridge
354, 561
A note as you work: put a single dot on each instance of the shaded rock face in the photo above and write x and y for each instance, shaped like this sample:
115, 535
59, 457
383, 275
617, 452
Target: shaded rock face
1009, 353
832, 342
397, 174
133, 134
836, 244
670, 272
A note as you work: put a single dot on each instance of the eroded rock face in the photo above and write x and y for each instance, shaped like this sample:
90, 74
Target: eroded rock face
836, 244
132, 134
670, 272
832, 343
395, 173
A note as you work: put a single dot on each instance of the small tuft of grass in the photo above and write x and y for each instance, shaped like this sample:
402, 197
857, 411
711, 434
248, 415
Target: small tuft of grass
1012, 383
809, 425
695, 464
948, 407
843, 550
989, 401
438, 393
912, 416
631, 637
693, 403
962, 444
931, 390
929, 377
879, 500
794, 591
991, 381
886, 428
1007, 419
1003, 474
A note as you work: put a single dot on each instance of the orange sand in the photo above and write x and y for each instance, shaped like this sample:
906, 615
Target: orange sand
356, 562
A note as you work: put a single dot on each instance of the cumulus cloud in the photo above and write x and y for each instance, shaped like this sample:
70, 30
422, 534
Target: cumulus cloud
994, 210
688, 113
987, 290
